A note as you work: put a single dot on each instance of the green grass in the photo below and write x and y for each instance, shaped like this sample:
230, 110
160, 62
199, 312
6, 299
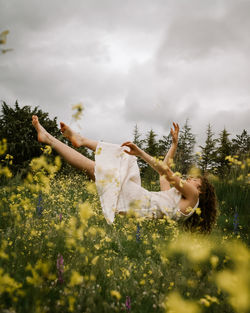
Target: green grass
99, 258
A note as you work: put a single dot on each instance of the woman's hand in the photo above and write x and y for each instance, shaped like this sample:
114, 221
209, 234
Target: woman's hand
134, 150
175, 133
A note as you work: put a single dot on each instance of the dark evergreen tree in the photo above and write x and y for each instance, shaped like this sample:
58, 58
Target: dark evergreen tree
207, 161
151, 147
184, 158
241, 144
224, 150
139, 142
137, 137
165, 144
151, 144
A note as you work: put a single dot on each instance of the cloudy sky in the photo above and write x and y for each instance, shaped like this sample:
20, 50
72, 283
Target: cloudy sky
146, 62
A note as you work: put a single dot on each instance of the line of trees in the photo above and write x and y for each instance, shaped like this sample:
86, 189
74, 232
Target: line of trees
211, 157
22, 144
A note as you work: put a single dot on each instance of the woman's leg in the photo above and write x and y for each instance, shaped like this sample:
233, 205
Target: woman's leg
76, 139
73, 157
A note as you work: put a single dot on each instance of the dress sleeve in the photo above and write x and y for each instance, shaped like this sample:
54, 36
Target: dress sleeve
184, 216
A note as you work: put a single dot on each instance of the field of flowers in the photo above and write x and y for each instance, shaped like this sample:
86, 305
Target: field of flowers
58, 254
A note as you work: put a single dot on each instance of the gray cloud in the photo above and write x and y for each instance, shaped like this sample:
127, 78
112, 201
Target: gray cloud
146, 62
200, 70
193, 36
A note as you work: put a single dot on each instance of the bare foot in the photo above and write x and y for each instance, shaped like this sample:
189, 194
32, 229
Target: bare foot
76, 139
42, 135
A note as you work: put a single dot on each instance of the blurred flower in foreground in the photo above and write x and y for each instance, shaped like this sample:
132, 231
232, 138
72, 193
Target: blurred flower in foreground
175, 304
236, 281
194, 172
79, 111
3, 40
3, 37
197, 249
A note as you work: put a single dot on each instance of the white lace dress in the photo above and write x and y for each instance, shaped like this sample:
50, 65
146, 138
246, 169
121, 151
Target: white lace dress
118, 183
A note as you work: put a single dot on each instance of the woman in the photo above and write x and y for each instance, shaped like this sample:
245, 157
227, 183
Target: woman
116, 174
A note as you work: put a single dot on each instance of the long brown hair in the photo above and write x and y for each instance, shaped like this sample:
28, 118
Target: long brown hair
204, 222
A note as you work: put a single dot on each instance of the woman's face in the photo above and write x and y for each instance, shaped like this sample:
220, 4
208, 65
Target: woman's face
196, 182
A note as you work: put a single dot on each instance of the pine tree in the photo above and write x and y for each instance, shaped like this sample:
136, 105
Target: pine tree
151, 147
241, 144
184, 156
151, 143
224, 149
137, 136
139, 142
165, 144
207, 161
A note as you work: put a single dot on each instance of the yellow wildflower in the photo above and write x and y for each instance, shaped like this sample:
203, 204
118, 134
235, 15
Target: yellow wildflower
116, 294
5, 171
3, 37
76, 279
72, 301
198, 211
85, 211
8, 284
91, 188
214, 260
95, 260
3, 146
97, 152
79, 110
109, 272
205, 302
47, 150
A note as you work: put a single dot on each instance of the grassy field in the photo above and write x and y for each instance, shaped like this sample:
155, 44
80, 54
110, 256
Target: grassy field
58, 254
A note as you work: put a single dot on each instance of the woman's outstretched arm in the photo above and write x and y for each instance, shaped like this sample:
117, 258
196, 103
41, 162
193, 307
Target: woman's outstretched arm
164, 184
188, 191
171, 152
157, 165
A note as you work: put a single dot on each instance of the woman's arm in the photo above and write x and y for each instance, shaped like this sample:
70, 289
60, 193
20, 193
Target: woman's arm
188, 191
171, 152
164, 183
157, 165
